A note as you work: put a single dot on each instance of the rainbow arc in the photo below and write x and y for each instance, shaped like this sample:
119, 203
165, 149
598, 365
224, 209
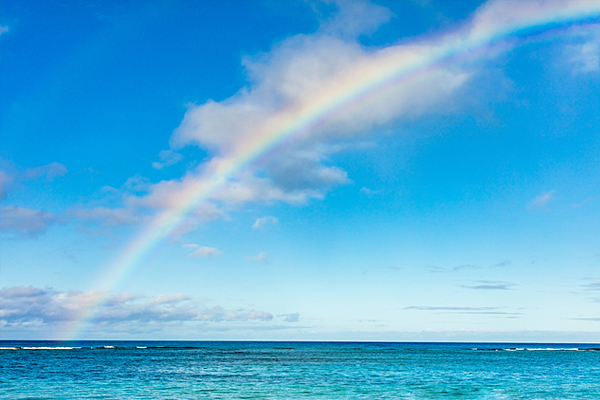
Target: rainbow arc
384, 71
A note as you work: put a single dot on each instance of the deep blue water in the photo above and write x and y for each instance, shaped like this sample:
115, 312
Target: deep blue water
295, 370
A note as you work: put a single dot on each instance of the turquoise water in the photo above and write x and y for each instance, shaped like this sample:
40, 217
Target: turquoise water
297, 370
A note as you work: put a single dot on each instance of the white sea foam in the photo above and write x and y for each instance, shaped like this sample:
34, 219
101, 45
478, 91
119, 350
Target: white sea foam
109, 347
535, 349
49, 348
141, 347
542, 349
554, 349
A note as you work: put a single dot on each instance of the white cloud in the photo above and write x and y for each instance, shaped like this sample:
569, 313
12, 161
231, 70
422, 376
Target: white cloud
490, 285
495, 14
138, 201
117, 212
21, 220
263, 221
541, 201
584, 56
137, 183
169, 298
294, 317
259, 258
588, 56
297, 73
167, 158
30, 307
25, 221
369, 192
303, 171
249, 188
48, 172
173, 194
286, 82
356, 17
201, 251
5, 181
10, 176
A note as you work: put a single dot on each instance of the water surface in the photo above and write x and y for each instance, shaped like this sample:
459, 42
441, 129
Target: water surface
297, 370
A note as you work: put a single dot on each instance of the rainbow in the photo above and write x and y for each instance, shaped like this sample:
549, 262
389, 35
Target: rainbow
491, 25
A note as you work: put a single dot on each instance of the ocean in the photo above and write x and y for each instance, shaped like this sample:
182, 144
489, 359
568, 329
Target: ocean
297, 370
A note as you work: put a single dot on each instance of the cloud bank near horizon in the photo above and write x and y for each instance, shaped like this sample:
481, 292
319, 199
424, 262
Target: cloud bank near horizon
47, 309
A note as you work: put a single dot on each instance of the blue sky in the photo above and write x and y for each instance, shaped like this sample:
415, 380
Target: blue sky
464, 206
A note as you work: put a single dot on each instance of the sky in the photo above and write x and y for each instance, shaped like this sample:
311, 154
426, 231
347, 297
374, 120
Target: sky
302, 170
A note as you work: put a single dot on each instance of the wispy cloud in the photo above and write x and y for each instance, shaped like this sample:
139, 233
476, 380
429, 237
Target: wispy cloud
449, 308
504, 263
541, 201
259, 258
131, 204
167, 158
201, 251
5, 181
583, 202
584, 57
438, 269
3, 29
462, 267
137, 184
490, 285
463, 310
595, 286
465, 266
294, 317
11, 176
47, 172
264, 221
369, 192
25, 221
